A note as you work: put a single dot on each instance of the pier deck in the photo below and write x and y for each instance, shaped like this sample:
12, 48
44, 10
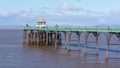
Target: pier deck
51, 36
116, 30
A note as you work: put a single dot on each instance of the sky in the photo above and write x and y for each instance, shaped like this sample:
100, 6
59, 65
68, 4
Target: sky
62, 12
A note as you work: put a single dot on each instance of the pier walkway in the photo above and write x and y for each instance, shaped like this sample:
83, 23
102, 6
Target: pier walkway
116, 30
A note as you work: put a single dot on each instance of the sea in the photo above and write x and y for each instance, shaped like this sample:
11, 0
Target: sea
13, 54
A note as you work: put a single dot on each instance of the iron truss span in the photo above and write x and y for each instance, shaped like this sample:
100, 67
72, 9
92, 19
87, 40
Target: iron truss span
117, 30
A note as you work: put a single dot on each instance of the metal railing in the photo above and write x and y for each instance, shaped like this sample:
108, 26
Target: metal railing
80, 29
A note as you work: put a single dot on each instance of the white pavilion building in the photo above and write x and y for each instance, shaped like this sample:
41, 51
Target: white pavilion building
41, 23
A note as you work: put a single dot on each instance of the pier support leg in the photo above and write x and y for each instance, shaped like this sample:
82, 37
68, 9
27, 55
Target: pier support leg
65, 41
25, 33
31, 37
86, 37
78, 35
28, 38
51, 38
59, 39
55, 40
38, 38
69, 36
35, 38
79, 43
107, 49
47, 38
44, 38
48, 35
97, 51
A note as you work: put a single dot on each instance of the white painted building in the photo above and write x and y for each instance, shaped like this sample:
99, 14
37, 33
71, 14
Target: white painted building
41, 23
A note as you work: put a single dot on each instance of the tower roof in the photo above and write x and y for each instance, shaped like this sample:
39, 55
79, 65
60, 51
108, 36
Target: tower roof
41, 20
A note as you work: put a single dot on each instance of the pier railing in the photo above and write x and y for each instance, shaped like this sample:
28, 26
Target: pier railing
117, 30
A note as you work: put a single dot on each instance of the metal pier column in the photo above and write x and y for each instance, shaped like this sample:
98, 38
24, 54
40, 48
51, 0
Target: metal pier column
65, 40
44, 38
25, 33
78, 35
86, 37
55, 40
69, 37
49, 39
108, 42
31, 37
97, 52
38, 37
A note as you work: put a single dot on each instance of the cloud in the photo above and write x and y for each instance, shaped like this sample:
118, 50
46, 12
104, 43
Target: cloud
23, 15
4, 14
72, 10
114, 12
31, 13
58, 14
65, 6
69, 7
45, 8
103, 20
76, 9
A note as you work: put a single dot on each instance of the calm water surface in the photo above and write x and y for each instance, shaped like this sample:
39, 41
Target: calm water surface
15, 55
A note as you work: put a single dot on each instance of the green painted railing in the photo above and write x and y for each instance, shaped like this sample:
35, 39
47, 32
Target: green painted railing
75, 29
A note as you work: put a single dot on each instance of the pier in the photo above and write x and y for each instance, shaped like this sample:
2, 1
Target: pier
41, 35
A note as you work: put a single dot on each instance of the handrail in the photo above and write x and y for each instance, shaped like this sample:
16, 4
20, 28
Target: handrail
76, 29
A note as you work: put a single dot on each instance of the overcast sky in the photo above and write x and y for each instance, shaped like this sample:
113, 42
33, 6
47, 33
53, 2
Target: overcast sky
61, 12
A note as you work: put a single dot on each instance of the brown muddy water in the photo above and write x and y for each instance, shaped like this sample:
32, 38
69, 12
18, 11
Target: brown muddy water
15, 55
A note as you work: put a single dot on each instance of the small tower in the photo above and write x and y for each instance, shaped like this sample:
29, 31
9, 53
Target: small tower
41, 23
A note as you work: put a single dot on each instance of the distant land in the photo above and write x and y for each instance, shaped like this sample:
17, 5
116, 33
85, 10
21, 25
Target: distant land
21, 26
12, 27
